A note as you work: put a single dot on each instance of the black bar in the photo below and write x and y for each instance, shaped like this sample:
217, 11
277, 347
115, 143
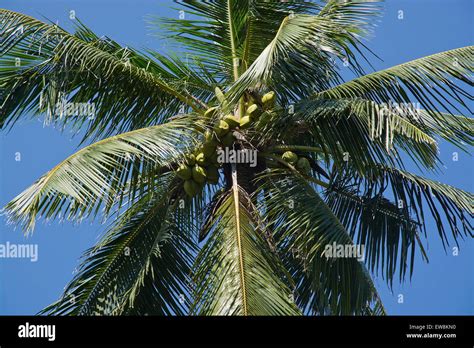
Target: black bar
291, 331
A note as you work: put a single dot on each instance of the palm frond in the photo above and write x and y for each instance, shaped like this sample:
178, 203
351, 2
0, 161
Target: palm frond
456, 129
141, 265
376, 310
304, 226
447, 205
236, 273
97, 175
434, 81
387, 231
127, 89
222, 30
359, 131
308, 43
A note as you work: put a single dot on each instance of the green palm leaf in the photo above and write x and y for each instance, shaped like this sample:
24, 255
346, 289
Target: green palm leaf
140, 266
303, 226
236, 272
428, 79
362, 129
229, 29
308, 42
414, 194
128, 89
97, 174
387, 231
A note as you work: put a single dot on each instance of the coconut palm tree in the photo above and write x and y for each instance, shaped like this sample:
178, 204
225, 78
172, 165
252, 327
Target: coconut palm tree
189, 233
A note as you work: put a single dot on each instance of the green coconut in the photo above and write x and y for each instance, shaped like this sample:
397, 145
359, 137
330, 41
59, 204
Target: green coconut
184, 172
227, 140
303, 165
254, 111
232, 121
222, 128
199, 174
290, 157
201, 159
212, 174
191, 188
268, 100
245, 122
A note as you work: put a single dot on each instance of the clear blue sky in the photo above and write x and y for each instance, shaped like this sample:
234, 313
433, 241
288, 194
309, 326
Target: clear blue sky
444, 286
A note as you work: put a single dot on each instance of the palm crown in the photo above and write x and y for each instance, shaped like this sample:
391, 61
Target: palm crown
195, 235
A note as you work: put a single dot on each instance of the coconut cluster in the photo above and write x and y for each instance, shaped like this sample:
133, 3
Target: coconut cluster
202, 166
301, 163
255, 113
